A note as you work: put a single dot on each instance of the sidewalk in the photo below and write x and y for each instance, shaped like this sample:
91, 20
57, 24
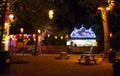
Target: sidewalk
48, 65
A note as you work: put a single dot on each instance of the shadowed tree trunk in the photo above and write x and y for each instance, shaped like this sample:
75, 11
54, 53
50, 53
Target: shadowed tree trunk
106, 35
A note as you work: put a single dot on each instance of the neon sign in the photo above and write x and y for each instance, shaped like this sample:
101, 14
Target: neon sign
82, 33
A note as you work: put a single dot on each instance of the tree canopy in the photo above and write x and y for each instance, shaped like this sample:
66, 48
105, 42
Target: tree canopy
31, 13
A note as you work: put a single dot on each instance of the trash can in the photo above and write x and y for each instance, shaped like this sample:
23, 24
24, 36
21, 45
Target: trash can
4, 62
116, 69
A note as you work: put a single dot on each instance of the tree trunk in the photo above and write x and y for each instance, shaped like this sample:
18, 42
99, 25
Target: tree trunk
2, 24
106, 35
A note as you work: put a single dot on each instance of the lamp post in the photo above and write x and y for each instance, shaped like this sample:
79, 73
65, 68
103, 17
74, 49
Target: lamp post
51, 16
22, 30
11, 16
104, 14
50, 13
40, 40
36, 44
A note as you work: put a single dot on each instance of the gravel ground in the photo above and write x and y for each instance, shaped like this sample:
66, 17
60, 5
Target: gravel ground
48, 65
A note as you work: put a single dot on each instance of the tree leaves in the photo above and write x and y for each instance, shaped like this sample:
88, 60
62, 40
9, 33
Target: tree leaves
32, 14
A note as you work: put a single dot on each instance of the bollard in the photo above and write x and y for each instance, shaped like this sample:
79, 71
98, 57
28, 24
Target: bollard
4, 62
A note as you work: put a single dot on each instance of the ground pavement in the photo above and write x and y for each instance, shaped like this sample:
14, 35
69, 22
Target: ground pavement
48, 65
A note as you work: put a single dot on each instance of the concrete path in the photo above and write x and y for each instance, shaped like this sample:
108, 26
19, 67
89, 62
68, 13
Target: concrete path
48, 65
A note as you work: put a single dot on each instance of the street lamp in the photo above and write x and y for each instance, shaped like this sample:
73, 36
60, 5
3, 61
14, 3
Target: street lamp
37, 40
39, 31
111, 35
39, 36
21, 30
11, 16
50, 13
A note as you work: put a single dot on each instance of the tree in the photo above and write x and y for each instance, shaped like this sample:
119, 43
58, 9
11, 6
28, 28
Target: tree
32, 14
92, 6
3, 14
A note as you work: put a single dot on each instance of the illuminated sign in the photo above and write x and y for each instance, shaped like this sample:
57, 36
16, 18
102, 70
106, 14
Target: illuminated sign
82, 42
82, 33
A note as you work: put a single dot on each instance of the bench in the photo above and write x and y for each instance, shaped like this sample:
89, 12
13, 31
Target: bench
87, 58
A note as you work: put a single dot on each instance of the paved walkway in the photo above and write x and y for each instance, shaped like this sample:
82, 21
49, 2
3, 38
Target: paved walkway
48, 65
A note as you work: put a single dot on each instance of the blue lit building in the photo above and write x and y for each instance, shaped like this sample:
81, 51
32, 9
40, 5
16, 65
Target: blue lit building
82, 38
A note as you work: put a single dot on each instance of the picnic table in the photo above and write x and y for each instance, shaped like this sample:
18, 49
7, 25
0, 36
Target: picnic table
87, 58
